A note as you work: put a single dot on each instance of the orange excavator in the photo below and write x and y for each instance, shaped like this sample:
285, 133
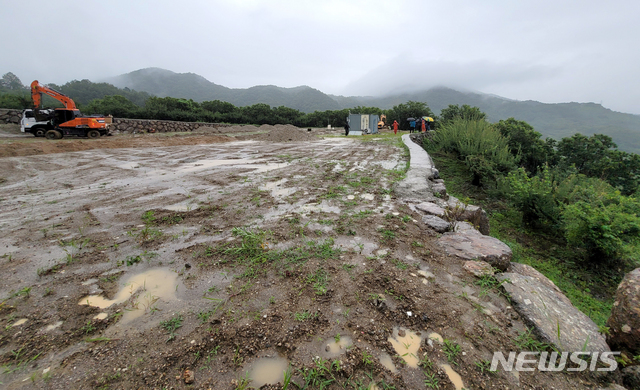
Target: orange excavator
67, 120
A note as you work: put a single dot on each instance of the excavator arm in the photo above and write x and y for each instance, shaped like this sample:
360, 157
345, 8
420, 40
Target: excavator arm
36, 94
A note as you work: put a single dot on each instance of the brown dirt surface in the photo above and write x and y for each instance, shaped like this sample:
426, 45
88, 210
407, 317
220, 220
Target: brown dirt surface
30, 145
284, 133
149, 267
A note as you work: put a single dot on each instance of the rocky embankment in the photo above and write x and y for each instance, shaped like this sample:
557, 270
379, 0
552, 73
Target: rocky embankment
465, 231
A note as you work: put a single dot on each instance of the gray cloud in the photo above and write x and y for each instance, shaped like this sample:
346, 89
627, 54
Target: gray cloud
547, 50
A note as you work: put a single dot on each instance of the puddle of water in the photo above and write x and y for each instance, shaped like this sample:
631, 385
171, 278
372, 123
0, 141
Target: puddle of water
268, 371
436, 337
101, 316
19, 322
180, 207
271, 167
323, 206
387, 164
237, 163
386, 361
276, 189
454, 377
204, 164
334, 348
406, 346
157, 284
130, 165
53, 326
90, 281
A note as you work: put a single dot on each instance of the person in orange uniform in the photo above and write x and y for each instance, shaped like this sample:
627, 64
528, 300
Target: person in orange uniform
424, 128
395, 127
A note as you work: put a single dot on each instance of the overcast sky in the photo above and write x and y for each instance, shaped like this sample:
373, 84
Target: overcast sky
551, 51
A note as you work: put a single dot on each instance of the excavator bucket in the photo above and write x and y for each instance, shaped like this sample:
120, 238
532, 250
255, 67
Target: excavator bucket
43, 115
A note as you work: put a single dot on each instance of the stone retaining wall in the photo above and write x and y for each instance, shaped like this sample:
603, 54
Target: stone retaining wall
10, 116
122, 125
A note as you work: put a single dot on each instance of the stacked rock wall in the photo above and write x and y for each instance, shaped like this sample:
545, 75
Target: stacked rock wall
122, 125
10, 116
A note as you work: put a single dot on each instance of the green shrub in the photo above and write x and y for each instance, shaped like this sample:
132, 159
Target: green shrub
485, 151
604, 224
534, 196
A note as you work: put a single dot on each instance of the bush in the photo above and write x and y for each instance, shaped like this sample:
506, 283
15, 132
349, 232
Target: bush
526, 143
534, 196
606, 225
479, 144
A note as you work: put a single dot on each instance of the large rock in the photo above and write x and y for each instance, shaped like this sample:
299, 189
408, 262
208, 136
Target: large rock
549, 312
624, 323
469, 244
431, 208
527, 270
436, 223
474, 214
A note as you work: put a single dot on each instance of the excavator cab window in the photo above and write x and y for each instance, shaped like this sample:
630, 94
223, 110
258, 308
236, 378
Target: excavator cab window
63, 116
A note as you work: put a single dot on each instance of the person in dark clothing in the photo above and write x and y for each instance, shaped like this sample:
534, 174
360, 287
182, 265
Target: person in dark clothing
346, 129
412, 126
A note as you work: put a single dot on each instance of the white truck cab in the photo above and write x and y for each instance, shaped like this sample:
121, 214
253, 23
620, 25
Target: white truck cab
29, 124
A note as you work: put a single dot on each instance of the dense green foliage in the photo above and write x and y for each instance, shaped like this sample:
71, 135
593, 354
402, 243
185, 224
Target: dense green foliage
582, 188
453, 111
477, 142
526, 144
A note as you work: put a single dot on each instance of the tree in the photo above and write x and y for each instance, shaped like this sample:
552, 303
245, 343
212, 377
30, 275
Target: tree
410, 109
465, 112
525, 144
11, 82
590, 155
218, 106
597, 156
118, 106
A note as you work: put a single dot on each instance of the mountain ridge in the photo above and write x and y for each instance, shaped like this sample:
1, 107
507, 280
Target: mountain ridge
555, 120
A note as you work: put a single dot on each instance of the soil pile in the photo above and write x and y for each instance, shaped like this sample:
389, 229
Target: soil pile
285, 133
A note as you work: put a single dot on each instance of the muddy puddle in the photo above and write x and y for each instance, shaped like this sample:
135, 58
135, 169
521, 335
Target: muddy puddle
385, 360
454, 377
53, 326
337, 346
277, 190
406, 343
144, 290
269, 370
181, 207
21, 321
436, 337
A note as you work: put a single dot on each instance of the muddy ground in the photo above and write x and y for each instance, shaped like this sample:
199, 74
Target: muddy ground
200, 261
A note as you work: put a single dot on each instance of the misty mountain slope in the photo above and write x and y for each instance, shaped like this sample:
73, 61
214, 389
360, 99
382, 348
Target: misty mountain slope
552, 120
303, 98
161, 82
555, 120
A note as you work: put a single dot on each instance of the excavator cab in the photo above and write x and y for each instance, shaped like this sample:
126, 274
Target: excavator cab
63, 116
43, 115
